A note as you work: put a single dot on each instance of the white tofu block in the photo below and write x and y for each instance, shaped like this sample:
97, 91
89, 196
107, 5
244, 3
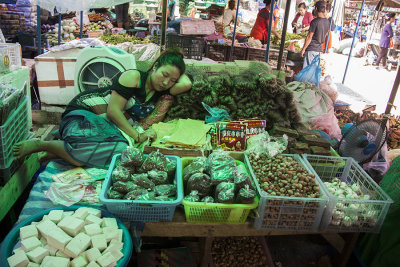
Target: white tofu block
34, 223
117, 255
43, 241
52, 250
51, 261
15, 251
81, 213
93, 264
112, 264
77, 245
61, 254
92, 229
120, 234
116, 246
45, 217
105, 260
93, 254
19, 259
110, 233
55, 215
45, 227
30, 243
68, 213
94, 212
79, 262
71, 225
32, 264
38, 254
110, 222
58, 239
28, 231
93, 219
99, 241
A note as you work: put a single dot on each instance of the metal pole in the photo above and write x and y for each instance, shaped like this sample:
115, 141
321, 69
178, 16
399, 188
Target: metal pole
81, 30
234, 30
38, 30
271, 14
393, 92
285, 23
330, 26
59, 28
352, 43
163, 24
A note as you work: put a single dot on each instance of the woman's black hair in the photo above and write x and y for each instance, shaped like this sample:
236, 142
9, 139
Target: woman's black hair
392, 15
231, 4
328, 7
267, 2
171, 56
302, 4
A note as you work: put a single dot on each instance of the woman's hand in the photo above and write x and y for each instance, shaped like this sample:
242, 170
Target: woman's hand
149, 134
184, 84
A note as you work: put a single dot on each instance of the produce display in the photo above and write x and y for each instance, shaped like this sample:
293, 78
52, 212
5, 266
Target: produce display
352, 213
97, 26
68, 238
67, 29
290, 37
140, 178
238, 251
255, 92
119, 38
217, 179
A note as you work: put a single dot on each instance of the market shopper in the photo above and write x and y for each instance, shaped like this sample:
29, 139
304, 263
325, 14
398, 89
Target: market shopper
386, 39
122, 12
328, 10
229, 17
302, 20
260, 28
171, 10
316, 35
95, 123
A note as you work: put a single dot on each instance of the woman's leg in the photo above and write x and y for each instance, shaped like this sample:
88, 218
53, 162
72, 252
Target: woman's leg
385, 55
381, 53
54, 147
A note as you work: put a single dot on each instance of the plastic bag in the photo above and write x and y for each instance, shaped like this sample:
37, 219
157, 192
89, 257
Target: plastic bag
132, 157
155, 160
134, 194
143, 180
158, 177
207, 199
146, 196
171, 168
222, 167
245, 195
192, 197
217, 114
224, 186
291, 47
196, 166
124, 187
112, 194
311, 73
327, 123
165, 190
329, 88
121, 174
242, 178
226, 197
200, 182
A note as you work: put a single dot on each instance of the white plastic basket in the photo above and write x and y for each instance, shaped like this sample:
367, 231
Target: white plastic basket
364, 215
10, 57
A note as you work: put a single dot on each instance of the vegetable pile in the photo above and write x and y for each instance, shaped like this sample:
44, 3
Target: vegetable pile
238, 251
122, 38
140, 178
217, 179
255, 92
351, 213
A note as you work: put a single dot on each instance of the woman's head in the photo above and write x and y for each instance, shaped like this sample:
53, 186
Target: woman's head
231, 4
302, 8
167, 69
267, 2
392, 17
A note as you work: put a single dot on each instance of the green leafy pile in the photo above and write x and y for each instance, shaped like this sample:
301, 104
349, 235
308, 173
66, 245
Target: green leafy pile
256, 92
119, 38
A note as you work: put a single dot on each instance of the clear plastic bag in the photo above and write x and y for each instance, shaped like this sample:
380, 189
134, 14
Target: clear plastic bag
222, 167
311, 73
200, 182
217, 114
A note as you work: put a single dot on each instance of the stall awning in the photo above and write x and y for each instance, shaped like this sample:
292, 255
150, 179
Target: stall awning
386, 3
65, 6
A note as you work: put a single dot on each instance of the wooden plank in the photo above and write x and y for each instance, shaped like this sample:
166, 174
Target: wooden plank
335, 240
342, 258
18, 182
46, 117
206, 247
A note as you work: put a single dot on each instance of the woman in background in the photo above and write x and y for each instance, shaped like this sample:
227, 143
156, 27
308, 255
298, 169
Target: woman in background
302, 20
260, 28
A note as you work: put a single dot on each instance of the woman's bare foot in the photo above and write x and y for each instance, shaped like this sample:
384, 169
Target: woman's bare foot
45, 156
24, 148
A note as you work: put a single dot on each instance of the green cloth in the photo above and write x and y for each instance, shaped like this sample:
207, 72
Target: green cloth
383, 249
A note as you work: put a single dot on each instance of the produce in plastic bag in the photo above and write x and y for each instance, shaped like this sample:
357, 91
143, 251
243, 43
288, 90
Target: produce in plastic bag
155, 160
158, 177
132, 157
192, 197
171, 168
140, 170
242, 178
132, 195
146, 196
112, 194
165, 190
222, 167
226, 197
200, 182
207, 199
143, 180
224, 186
124, 187
121, 174
245, 195
162, 198
194, 167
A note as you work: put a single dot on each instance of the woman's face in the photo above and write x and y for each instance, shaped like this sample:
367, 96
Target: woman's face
165, 77
302, 11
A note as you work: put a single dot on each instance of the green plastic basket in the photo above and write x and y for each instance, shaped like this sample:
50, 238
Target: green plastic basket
202, 212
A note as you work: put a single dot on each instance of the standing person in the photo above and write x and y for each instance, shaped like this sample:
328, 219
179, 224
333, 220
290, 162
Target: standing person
386, 39
122, 12
95, 122
302, 20
332, 23
171, 10
316, 35
229, 16
260, 28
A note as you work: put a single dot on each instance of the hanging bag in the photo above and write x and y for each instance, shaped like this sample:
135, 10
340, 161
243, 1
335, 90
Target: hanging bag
311, 73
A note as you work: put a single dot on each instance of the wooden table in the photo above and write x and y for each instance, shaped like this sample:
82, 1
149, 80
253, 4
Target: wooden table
207, 231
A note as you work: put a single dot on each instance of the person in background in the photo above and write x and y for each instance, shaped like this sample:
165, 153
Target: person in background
386, 39
260, 28
122, 12
98, 123
332, 23
302, 20
229, 16
316, 34
171, 10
